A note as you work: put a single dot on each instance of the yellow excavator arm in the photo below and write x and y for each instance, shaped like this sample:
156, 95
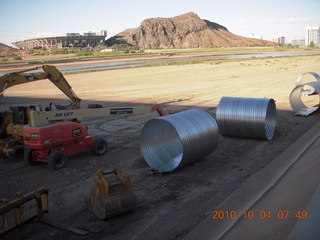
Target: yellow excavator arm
49, 72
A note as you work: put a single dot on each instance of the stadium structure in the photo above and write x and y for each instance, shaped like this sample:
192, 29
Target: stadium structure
88, 39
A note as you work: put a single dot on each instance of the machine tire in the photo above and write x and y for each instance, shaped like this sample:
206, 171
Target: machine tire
94, 105
28, 157
99, 146
56, 160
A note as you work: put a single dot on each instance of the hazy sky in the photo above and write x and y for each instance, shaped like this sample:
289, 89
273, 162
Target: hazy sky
23, 19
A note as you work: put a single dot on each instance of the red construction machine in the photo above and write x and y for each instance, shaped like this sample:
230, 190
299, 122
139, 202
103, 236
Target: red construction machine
54, 142
51, 136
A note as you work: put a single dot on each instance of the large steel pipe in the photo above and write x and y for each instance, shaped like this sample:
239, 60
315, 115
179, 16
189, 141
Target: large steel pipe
170, 142
247, 117
296, 102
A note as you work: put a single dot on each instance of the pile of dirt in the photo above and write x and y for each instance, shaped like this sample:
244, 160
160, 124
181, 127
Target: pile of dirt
184, 31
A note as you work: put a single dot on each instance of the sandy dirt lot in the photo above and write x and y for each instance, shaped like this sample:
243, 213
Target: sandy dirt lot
169, 205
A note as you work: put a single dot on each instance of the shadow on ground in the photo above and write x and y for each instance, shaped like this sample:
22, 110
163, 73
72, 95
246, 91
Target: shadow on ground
169, 205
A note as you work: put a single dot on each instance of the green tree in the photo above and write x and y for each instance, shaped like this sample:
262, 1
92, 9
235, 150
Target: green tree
312, 44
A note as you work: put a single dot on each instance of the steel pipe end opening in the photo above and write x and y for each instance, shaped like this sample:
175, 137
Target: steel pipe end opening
270, 120
247, 117
296, 102
170, 142
299, 79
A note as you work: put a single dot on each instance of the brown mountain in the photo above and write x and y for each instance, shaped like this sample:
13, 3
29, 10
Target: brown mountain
184, 31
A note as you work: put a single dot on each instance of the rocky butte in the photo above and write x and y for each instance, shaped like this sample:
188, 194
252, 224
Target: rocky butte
184, 31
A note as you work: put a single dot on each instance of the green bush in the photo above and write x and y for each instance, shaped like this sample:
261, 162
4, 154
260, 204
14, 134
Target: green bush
16, 57
125, 47
85, 54
74, 50
59, 51
312, 45
99, 48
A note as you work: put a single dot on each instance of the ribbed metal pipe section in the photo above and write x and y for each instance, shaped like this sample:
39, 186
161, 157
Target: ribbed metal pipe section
247, 117
173, 141
296, 102
299, 79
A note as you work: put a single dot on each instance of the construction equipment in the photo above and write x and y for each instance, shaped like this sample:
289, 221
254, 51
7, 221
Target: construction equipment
49, 72
111, 194
50, 139
40, 118
53, 143
12, 120
40, 198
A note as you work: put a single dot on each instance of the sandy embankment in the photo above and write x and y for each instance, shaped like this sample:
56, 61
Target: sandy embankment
195, 85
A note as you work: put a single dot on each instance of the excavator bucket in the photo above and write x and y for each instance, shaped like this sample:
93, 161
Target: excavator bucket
111, 194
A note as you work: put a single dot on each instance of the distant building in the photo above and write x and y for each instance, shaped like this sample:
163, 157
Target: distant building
298, 42
89, 39
313, 35
89, 34
280, 40
73, 34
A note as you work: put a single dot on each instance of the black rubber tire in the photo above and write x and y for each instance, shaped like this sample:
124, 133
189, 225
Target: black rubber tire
94, 105
28, 158
56, 160
99, 146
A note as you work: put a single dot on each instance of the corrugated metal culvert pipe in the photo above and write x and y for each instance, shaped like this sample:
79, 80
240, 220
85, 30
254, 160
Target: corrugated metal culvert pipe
247, 117
315, 75
170, 142
296, 102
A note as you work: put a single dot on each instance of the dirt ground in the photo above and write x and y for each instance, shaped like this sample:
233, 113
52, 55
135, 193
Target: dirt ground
169, 205
161, 54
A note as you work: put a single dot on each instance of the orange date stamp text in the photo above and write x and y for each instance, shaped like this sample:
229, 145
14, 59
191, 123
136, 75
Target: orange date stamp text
263, 215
